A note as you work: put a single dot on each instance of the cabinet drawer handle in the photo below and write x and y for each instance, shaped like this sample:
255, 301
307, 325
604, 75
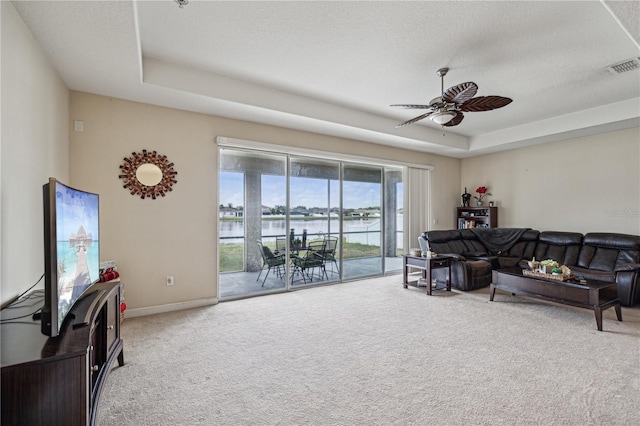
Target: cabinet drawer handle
110, 327
95, 368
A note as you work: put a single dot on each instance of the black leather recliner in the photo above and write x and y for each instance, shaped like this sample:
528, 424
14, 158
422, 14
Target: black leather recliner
468, 270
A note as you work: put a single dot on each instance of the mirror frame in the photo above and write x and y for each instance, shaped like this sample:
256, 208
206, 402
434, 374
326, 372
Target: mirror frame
135, 187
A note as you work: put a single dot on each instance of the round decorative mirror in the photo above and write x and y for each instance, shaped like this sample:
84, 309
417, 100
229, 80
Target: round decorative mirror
148, 174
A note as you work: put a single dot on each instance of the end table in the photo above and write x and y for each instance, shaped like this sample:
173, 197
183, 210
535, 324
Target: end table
426, 265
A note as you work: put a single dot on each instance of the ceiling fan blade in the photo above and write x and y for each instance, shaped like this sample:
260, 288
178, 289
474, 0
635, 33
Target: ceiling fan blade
413, 120
485, 103
460, 93
411, 106
455, 120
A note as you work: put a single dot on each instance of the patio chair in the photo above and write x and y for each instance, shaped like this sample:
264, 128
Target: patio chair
271, 260
281, 245
311, 259
329, 254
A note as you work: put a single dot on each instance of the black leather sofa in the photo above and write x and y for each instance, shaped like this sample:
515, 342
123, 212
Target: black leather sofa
600, 256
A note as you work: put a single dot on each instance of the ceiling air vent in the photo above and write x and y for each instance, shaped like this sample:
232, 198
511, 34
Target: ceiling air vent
624, 66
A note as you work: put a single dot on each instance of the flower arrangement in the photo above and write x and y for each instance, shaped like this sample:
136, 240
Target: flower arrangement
550, 263
482, 190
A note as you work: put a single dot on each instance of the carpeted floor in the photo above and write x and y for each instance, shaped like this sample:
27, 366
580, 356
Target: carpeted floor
373, 353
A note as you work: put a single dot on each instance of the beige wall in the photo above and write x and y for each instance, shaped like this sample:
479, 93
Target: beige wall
176, 235
34, 146
588, 184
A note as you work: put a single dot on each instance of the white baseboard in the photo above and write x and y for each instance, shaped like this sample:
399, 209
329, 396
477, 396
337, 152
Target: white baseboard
170, 307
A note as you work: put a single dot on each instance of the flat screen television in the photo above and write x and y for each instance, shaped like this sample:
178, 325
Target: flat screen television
71, 250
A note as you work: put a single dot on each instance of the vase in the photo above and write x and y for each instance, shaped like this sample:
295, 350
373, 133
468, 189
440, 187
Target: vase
479, 203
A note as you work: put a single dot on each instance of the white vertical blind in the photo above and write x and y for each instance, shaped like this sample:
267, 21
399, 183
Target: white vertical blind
417, 205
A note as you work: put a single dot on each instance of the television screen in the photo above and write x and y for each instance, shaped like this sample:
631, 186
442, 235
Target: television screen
72, 250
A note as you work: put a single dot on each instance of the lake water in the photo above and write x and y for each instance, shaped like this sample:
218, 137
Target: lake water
365, 231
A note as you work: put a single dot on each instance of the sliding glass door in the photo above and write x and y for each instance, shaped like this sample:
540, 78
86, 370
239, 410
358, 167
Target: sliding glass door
362, 220
252, 216
289, 221
313, 215
393, 218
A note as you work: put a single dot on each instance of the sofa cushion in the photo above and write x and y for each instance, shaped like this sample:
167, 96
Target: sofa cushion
443, 242
525, 246
563, 247
592, 274
612, 240
442, 236
498, 240
606, 251
473, 254
471, 242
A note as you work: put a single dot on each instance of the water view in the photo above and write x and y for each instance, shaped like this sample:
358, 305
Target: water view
356, 230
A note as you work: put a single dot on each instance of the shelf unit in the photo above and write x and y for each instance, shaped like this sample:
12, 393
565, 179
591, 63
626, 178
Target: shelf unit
476, 217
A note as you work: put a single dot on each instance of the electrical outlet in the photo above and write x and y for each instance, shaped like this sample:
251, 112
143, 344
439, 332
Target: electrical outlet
169, 280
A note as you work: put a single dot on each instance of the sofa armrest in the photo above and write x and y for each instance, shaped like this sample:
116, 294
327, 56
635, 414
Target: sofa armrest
475, 254
628, 284
493, 260
627, 267
456, 256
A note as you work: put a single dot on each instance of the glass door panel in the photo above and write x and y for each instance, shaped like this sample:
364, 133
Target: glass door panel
252, 193
362, 219
394, 222
313, 200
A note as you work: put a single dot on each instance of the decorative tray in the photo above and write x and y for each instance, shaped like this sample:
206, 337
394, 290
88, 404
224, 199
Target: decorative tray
556, 277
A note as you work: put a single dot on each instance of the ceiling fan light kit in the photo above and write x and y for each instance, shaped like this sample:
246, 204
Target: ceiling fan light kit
447, 109
442, 116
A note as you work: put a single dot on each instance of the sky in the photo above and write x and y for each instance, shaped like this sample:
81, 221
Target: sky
306, 192
75, 208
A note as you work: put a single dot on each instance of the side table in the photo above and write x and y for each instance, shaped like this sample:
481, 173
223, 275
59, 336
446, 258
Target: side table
426, 265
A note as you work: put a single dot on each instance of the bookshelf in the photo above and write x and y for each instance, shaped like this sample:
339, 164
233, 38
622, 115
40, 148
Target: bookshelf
476, 217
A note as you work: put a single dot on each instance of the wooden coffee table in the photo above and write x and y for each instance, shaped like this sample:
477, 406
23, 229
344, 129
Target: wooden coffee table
591, 294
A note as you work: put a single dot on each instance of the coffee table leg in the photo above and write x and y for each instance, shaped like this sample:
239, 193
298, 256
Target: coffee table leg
618, 312
492, 292
428, 271
598, 313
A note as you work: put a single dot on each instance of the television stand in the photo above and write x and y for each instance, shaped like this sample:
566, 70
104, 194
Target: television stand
84, 308
58, 380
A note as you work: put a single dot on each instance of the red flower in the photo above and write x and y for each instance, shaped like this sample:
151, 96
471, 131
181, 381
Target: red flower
482, 190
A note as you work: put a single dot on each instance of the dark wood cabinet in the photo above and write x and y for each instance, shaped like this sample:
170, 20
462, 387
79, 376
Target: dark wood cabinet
58, 380
476, 217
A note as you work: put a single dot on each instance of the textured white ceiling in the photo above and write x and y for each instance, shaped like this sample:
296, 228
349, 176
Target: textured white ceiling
334, 67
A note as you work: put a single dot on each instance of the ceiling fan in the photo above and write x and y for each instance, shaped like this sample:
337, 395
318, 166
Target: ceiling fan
447, 109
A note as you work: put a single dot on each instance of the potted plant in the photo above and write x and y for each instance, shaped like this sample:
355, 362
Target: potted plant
482, 192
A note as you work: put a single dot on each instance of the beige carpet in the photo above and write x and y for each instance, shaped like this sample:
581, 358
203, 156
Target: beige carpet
373, 353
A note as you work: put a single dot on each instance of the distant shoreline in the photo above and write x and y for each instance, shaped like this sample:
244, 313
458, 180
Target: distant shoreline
280, 217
